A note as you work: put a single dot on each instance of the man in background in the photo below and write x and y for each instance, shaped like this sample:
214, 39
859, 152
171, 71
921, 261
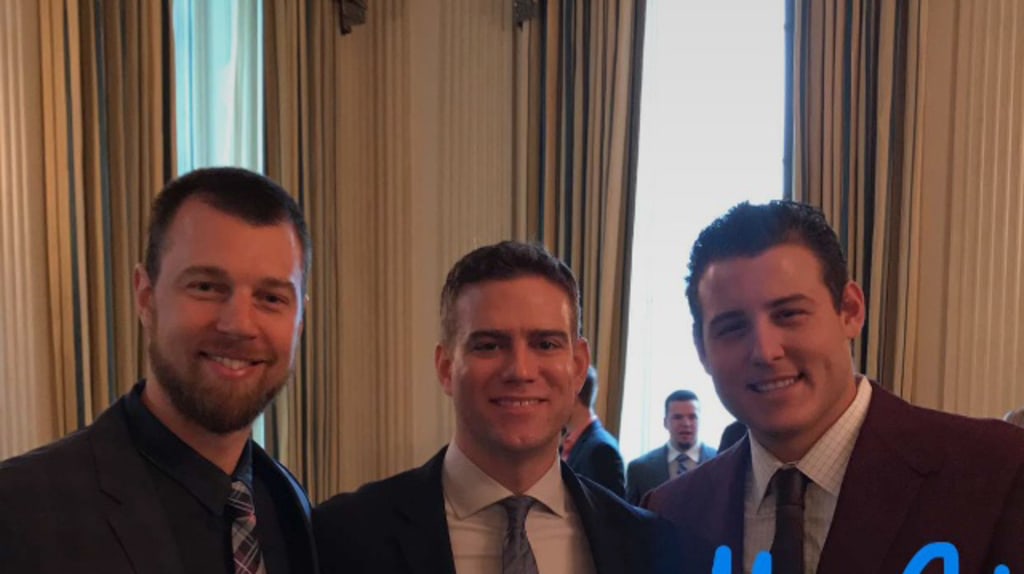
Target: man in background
836, 474
168, 480
498, 498
589, 449
682, 453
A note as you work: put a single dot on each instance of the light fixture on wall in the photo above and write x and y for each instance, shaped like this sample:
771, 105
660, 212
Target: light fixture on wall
350, 13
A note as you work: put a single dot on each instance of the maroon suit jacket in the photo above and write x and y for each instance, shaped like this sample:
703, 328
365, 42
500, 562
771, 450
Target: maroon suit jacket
916, 476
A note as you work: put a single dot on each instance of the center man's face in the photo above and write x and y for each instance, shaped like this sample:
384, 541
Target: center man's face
224, 317
681, 421
513, 367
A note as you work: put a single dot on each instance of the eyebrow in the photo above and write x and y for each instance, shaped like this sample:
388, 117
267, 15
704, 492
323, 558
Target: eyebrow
505, 335
221, 274
780, 302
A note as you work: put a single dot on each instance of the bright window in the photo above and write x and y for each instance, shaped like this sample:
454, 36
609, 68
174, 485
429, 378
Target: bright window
711, 136
218, 60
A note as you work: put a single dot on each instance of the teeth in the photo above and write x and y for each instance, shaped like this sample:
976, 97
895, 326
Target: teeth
773, 385
230, 363
512, 403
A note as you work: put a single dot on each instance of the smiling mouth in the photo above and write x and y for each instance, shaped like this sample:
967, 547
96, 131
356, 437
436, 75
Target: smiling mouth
516, 403
231, 363
774, 384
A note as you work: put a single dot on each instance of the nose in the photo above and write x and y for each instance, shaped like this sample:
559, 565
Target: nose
766, 344
522, 365
236, 316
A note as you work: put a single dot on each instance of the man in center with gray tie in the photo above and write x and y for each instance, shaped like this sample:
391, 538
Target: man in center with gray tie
498, 498
682, 453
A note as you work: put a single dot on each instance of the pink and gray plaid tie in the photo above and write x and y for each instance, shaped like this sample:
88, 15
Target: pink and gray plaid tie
244, 545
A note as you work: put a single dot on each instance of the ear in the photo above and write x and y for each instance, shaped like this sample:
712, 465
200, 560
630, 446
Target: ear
443, 366
580, 363
852, 310
143, 287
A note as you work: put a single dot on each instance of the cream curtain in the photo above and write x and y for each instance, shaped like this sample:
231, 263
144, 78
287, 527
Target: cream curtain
849, 110
579, 113
907, 132
86, 91
397, 141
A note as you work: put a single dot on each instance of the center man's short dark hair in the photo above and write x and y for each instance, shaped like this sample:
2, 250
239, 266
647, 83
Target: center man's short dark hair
500, 262
749, 230
249, 196
680, 396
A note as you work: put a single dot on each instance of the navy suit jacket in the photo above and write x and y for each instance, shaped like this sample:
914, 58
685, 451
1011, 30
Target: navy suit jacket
87, 503
398, 526
596, 456
915, 476
651, 471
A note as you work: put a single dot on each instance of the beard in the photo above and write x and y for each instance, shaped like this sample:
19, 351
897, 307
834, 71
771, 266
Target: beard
218, 407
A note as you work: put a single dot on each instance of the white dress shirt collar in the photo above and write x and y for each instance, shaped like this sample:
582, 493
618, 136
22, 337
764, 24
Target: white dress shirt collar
693, 452
469, 489
825, 464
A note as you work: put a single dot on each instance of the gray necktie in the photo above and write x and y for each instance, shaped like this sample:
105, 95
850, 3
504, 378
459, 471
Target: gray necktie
516, 554
681, 464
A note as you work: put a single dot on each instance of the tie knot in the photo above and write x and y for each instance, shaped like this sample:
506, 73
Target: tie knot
517, 507
789, 484
240, 499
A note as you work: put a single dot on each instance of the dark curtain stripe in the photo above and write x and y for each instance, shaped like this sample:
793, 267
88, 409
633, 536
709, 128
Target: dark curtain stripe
787, 132
102, 97
542, 150
805, 132
871, 19
846, 157
167, 114
567, 129
73, 239
894, 189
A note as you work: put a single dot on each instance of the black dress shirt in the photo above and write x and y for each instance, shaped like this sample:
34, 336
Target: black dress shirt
194, 494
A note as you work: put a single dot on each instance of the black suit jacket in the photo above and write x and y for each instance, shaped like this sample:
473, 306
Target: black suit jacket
86, 503
651, 471
398, 526
915, 476
596, 456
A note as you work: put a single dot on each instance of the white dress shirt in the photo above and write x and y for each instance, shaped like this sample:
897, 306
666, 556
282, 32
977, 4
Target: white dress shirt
476, 524
825, 465
692, 455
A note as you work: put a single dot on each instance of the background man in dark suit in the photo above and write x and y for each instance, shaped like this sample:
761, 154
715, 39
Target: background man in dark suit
167, 480
589, 449
836, 474
498, 498
682, 453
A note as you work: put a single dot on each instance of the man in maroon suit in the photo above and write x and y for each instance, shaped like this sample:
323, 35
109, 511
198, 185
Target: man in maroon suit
836, 475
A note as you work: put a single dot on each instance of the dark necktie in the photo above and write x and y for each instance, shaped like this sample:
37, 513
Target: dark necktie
788, 547
244, 546
516, 554
681, 464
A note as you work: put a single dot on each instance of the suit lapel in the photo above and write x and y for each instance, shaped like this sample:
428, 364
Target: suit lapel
288, 494
661, 468
718, 528
421, 527
879, 488
132, 507
602, 543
